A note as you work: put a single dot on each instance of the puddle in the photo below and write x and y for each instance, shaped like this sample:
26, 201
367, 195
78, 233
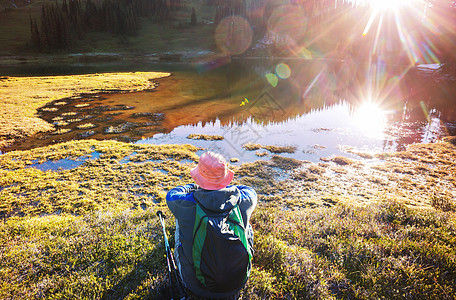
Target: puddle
281, 174
186, 161
127, 158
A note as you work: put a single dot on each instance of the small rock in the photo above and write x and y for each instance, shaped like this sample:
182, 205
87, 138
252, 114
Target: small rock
86, 134
153, 116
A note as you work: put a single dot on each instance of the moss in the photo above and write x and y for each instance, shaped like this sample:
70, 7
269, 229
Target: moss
270, 148
257, 169
341, 160
251, 146
305, 175
80, 105
261, 154
286, 163
206, 137
281, 149
315, 169
86, 126
62, 131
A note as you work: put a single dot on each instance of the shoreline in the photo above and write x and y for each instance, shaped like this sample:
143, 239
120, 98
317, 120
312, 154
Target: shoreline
104, 57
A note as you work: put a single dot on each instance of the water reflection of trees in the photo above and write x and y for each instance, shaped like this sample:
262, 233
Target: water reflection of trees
317, 85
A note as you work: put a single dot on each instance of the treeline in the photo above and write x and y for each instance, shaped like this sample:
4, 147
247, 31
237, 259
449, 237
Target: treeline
225, 8
258, 12
61, 23
314, 17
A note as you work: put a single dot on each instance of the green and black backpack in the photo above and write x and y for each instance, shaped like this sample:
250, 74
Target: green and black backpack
222, 251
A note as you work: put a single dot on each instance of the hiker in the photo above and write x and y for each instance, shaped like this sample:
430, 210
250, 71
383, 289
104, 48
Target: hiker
216, 262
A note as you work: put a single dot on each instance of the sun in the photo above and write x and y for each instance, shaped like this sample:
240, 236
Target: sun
382, 5
371, 119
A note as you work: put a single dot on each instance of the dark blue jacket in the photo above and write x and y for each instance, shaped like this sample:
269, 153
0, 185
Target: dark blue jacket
181, 202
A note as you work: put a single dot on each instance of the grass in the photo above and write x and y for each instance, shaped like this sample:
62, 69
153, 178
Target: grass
22, 96
102, 254
340, 160
378, 251
322, 231
205, 137
261, 154
271, 148
86, 126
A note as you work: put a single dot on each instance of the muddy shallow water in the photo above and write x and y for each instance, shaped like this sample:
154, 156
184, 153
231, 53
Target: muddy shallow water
320, 109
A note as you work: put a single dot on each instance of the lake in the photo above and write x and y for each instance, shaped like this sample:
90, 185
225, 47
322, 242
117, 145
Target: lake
321, 107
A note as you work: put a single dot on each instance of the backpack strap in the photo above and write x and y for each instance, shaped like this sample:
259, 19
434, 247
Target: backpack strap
237, 225
199, 236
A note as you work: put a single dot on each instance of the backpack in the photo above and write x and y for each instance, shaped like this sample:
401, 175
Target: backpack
222, 252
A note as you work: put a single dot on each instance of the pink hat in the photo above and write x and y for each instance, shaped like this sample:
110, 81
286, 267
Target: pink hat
212, 172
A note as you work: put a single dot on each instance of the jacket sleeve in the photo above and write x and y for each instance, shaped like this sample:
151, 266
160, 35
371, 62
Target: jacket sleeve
248, 201
180, 197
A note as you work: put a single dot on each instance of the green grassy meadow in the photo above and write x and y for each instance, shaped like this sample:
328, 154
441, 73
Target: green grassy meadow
90, 231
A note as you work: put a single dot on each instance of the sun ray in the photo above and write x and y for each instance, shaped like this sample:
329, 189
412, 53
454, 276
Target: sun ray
312, 84
377, 36
369, 23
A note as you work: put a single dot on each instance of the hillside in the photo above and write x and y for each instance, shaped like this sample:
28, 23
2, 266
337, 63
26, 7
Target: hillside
175, 34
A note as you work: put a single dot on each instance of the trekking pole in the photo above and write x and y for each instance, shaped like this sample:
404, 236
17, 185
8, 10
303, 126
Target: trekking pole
171, 263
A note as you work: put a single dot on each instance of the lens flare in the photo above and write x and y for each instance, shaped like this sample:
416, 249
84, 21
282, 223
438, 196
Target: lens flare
233, 35
287, 26
283, 71
272, 79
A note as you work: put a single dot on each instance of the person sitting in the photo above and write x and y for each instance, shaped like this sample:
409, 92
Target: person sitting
213, 238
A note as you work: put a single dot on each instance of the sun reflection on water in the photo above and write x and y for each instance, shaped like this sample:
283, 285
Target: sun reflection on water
371, 120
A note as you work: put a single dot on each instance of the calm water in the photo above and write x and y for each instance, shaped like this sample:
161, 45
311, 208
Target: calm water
321, 108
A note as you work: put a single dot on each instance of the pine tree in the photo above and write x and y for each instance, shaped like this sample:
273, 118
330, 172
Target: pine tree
35, 34
44, 36
65, 7
193, 17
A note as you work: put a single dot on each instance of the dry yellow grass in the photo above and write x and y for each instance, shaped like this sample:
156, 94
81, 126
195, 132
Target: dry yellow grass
22, 96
